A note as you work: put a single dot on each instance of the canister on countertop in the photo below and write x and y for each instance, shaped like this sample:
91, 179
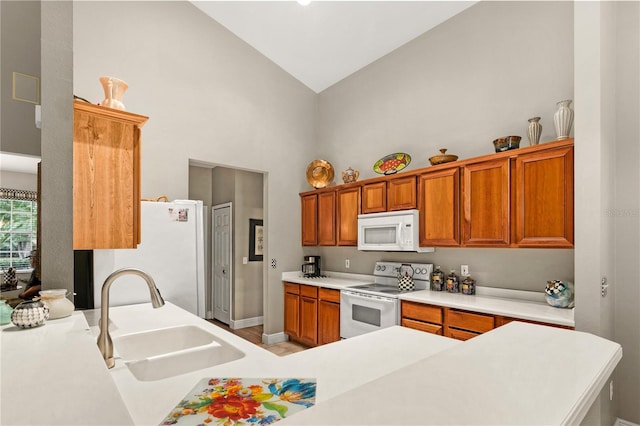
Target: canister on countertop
453, 283
437, 280
468, 286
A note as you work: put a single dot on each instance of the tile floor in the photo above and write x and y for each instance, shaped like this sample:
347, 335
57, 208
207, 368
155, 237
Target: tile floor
254, 335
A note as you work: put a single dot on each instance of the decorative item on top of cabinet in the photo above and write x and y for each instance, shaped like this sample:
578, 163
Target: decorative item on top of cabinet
114, 89
348, 208
442, 158
563, 119
319, 173
392, 163
438, 194
534, 130
350, 175
106, 177
401, 193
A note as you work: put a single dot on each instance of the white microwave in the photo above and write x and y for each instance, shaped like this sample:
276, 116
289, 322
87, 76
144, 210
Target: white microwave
390, 231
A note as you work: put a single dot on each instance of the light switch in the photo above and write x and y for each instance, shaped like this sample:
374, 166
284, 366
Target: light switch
245, 260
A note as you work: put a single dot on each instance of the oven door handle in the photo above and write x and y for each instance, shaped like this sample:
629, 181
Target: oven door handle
363, 296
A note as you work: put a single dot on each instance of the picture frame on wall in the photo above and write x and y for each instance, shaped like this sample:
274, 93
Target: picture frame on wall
256, 240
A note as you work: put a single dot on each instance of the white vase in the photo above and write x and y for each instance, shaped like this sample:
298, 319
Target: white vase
114, 89
563, 119
534, 130
59, 306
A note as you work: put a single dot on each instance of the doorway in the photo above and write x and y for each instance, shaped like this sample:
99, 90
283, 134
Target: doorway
222, 267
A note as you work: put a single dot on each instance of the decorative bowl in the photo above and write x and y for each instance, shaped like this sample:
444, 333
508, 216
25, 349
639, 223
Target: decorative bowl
320, 173
29, 314
442, 157
559, 294
506, 143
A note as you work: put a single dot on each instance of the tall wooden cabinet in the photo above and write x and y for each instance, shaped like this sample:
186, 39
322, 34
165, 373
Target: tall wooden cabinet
309, 205
348, 207
106, 177
543, 187
438, 203
327, 218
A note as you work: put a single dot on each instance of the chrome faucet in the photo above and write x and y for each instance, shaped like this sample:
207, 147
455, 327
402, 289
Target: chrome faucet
104, 338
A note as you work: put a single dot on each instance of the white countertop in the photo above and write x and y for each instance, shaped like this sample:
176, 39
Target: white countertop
518, 373
526, 305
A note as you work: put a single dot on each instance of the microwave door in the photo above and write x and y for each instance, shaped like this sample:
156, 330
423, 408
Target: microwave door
385, 236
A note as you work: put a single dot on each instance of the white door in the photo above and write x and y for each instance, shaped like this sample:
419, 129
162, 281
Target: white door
222, 273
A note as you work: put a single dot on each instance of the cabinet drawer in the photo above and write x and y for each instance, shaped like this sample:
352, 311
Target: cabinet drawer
461, 334
422, 326
292, 288
422, 312
468, 321
309, 291
329, 295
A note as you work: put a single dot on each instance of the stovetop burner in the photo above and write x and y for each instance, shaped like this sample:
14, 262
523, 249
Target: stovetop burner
386, 279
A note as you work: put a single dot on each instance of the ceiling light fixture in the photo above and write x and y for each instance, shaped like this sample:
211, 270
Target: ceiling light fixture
304, 2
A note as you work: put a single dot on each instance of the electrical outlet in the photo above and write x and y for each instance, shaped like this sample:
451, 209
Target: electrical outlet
346, 263
464, 270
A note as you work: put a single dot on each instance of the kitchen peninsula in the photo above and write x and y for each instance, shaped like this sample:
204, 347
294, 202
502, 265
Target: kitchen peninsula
513, 374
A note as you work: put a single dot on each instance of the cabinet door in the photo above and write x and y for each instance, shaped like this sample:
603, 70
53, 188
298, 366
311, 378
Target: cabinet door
347, 221
422, 326
485, 204
309, 205
438, 195
292, 315
402, 193
308, 321
544, 198
374, 198
106, 177
328, 322
327, 219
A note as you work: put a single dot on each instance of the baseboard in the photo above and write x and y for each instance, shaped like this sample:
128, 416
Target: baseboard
270, 339
620, 422
208, 315
247, 322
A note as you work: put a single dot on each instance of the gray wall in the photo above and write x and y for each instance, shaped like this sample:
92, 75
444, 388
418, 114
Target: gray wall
16, 180
477, 76
20, 52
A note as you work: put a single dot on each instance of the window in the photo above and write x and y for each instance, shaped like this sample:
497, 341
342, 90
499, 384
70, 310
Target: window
18, 226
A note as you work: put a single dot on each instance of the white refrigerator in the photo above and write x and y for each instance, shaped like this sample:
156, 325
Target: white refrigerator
171, 252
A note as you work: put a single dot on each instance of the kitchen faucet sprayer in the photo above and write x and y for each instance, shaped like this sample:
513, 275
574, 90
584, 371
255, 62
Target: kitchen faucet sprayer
105, 344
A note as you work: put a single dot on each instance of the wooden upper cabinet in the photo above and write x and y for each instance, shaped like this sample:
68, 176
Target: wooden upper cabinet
438, 202
485, 204
106, 177
348, 208
543, 187
309, 205
327, 218
374, 197
402, 193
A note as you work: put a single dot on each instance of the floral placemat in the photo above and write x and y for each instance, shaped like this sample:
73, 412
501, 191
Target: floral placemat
233, 401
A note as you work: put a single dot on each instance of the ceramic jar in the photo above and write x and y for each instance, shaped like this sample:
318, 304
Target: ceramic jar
29, 314
437, 280
452, 283
5, 312
563, 119
534, 130
114, 89
350, 175
57, 303
468, 286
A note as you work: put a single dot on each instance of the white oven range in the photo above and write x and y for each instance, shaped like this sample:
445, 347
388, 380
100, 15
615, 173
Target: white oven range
370, 307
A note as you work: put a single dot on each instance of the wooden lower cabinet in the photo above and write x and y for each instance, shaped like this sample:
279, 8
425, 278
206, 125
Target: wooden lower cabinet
311, 314
422, 317
455, 323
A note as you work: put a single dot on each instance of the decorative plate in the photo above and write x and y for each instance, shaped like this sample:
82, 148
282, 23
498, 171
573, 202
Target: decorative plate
320, 173
392, 163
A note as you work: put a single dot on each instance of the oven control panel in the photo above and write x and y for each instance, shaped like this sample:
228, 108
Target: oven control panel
421, 271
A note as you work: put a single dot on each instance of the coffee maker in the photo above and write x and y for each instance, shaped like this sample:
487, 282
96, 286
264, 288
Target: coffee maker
311, 266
